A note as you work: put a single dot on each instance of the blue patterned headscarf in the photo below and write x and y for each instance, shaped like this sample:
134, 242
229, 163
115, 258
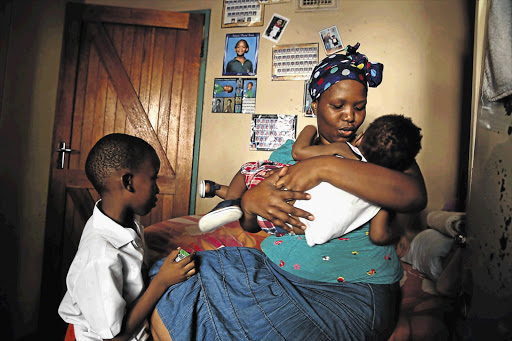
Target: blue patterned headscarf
352, 65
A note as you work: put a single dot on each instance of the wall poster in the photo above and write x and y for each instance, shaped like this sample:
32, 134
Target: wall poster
268, 132
293, 62
234, 95
236, 13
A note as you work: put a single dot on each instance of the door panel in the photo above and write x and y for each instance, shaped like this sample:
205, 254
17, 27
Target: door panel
125, 78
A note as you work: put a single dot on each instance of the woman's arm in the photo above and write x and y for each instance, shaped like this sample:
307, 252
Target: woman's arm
304, 146
399, 191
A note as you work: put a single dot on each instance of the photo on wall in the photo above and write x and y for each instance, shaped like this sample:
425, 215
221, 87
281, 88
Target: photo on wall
241, 54
269, 132
275, 28
306, 107
239, 13
331, 40
234, 95
293, 61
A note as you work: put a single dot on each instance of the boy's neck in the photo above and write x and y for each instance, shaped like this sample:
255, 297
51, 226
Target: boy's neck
117, 213
240, 59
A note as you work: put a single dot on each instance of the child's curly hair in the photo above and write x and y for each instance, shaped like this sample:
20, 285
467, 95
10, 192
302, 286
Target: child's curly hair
391, 141
114, 152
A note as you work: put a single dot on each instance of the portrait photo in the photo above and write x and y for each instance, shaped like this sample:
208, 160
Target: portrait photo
275, 27
331, 40
241, 54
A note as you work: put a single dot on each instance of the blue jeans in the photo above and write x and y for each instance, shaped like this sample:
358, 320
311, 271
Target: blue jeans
239, 294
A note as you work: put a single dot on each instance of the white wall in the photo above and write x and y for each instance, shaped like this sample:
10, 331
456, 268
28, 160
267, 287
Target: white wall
422, 45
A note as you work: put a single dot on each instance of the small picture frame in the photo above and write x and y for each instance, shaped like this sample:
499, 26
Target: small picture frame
275, 27
240, 13
269, 132
331, 40
306, 108
241, 54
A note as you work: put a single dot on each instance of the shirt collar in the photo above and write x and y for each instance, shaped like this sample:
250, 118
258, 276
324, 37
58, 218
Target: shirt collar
115, 233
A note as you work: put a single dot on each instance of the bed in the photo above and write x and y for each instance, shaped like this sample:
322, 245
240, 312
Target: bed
424, 313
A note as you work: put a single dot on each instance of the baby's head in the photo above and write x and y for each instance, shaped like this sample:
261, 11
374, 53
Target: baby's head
227, 88
391, 141
116, 152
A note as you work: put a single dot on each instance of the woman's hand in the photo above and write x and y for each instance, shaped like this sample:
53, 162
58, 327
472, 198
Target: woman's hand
301, 176
271, 203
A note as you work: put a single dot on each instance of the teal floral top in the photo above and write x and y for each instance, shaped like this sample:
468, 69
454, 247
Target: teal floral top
351, 258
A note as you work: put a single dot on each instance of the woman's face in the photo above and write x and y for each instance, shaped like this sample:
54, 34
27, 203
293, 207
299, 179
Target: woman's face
340, 111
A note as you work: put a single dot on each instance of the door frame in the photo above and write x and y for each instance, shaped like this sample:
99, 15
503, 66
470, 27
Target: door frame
199, 113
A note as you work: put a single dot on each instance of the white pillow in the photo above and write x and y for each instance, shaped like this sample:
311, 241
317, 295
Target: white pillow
427, 251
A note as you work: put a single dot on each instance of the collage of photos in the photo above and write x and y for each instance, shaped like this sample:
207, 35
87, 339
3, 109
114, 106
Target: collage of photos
269, 132
236, 91
234, 95
293, 62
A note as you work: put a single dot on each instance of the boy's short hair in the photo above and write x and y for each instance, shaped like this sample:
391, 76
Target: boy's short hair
391, 141
114, 152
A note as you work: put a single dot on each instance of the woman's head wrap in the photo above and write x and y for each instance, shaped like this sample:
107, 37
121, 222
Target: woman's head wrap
338, 67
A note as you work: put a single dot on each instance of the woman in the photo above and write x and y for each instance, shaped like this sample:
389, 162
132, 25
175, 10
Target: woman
345, 289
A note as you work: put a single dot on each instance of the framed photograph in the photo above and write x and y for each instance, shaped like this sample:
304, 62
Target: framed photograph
331, 40
294, 62
236, 13
270, 2
241, 54
275, 27
268, 132
306, 108
234, 95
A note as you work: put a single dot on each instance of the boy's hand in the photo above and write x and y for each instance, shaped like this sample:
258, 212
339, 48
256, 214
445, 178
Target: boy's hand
172, 272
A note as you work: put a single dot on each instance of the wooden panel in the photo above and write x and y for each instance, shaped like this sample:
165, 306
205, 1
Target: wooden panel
127, 95
135, 16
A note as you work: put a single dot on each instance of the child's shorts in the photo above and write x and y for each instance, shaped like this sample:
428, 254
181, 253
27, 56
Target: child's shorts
254, 173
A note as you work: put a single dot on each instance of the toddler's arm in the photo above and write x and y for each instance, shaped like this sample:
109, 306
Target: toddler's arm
384, 229
170, 273
304, 146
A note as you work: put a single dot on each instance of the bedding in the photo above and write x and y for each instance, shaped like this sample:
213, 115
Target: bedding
423, 313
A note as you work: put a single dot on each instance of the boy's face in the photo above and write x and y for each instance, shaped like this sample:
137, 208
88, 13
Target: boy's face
241, 48
249, 86
145, 187
228, 88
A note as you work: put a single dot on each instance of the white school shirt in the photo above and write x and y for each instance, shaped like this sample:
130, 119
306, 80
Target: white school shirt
105, 278
336, 212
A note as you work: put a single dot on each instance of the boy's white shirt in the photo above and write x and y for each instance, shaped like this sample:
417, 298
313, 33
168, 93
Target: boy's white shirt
336, 212
104, 279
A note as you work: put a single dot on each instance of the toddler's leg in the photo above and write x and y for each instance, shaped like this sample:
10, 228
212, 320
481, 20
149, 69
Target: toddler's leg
210, 189
237, 187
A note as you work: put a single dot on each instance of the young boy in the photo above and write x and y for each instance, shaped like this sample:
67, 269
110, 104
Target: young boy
240, 64
107, 297
391, 141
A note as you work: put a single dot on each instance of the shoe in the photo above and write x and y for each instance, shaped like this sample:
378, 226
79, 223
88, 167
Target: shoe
225, 212
207, 189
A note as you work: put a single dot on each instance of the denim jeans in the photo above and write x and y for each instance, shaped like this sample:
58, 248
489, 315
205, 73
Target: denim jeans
239, 294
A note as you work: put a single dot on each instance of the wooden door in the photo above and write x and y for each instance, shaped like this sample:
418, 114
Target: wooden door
122, 70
